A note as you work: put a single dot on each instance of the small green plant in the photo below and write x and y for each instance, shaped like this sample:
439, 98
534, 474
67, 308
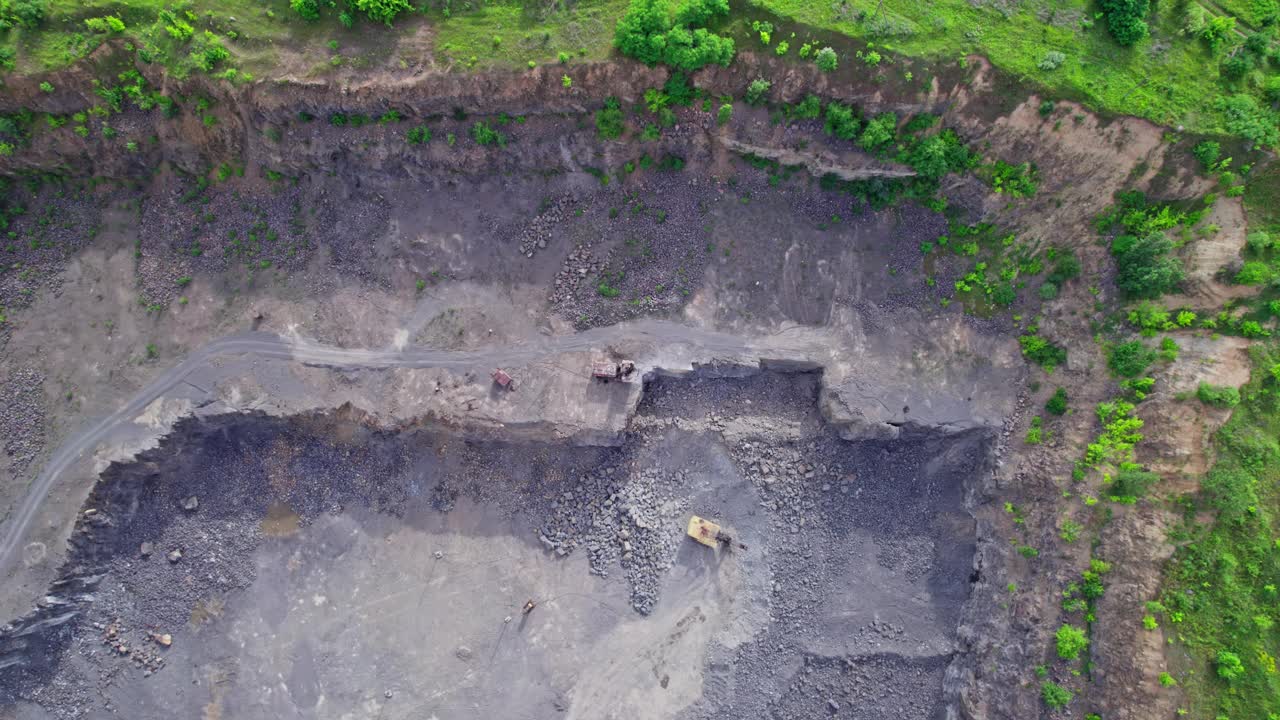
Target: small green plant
152, 351
420, 135
486, 136
724, 114
566, 82
1034, 433
1130, 359
46, 87
1070, 531
1149, 622
1166, 680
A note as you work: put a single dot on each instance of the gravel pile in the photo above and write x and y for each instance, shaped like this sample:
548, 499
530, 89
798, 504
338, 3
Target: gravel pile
22, 417
534, 235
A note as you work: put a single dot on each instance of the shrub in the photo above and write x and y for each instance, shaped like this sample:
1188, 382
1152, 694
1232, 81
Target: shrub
879, 131
486, 136
724, 114
420, 135
756, 91
1052, 60
1131, 483
1054, 695
842, 122
1254, 272
1125, 19
1130, 359
609, 119
826, 59
1071, 642
46, 87
1066, 267
1035, 433
1042, 352
1228, 665
1057, 403
308, 9
1145, 269
1218, 395
1244, 117
1207, 153
383, 11
1166, 680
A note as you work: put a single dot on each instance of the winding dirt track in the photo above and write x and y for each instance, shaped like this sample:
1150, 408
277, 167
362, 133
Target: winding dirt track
269, 346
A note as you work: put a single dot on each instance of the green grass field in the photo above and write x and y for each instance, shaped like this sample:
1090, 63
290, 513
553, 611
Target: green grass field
1168, 78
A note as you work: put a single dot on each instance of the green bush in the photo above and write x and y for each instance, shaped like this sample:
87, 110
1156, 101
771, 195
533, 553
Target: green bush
1218, 395
757, 90
1228, 665
648, 33
383, 11
1130, 359
1071, 642
1047, 291
879, 131
826, 59
1042, 352
1254, 272
1057, 403
724, 114
1246, 118
1126, 19
1207, 153
1131, 483
842, 122
1066, 267
308, 9
1144, 267
609, 122
1054, 695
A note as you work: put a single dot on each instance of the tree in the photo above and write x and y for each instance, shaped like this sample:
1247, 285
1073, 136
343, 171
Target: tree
1071, 642
648, 33
1248, 119
1145, 269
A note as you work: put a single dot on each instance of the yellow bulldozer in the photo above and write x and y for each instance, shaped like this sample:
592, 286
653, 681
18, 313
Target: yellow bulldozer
711, 534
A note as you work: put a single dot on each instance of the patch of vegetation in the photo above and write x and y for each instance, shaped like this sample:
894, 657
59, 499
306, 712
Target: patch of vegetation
650, 33
1057, 403
1042, 352
1071, 641
609, 122
1221, 588
1218, 395
1130, 359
